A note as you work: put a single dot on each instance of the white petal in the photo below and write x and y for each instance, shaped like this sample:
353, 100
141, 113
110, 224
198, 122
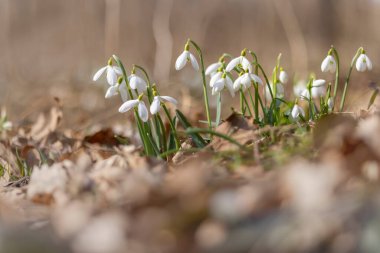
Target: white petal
369, 63
361, 66
305, 94
230, 86
117, 70
143, 112
140, 84
181, 60
213, 68
123, 91
218, 86
155, 106
99, 73
317, 92
126, 106
111, 91
256, 78
111, 76
299, 87
169, 99
295, 112
194, 62
280, 90
326, 63
215, 78
232, 64
238, 83
283, 77
318, 82
245, 64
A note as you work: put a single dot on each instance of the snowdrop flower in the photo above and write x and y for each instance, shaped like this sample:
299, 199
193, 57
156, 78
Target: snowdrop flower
297, 111
363, 63
136, 82
299, 88
141, 107
224, 82
245, 80
328, 64
241, 60
215, 77
112, 72
317, 90
280, 91
158, 100
283, 77
5, 124
119, 88
213, 68
184, 58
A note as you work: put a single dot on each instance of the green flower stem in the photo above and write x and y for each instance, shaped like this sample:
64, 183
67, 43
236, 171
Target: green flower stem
266, 80
149, 90
177, 143
218, 109
257, 118
348, 78
223, 136
246, 102
205, 95
120, 64
336, 56
242, 109
147, 148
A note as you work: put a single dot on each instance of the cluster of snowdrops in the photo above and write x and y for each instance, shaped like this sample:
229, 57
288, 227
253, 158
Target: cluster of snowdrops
261, 98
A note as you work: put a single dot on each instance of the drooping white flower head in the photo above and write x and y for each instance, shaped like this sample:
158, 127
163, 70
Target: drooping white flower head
241, 60
158, 100
119, 88
112, 72
137, 83
224, 82
297, 111
215, 78
317, 90
245, 81
280, 91
363, 63
141, 108
299, 87
329, 64
283, 77
185, 57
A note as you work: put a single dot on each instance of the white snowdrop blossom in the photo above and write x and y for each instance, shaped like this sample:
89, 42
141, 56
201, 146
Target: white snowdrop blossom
119, 88
224, 82
141, 108
317, 90
185, 57
328, 64
215, 78
299, 87
245, 81
283, 77
112, 72
157, 100
241, 60
213, 68
297, 111
280, 91
363, 63
137, 83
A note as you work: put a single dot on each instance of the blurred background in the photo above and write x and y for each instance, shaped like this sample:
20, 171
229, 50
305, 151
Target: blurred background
52, 48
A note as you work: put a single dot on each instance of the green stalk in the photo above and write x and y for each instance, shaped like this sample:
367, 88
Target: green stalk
205, 95
120, 64
336, 56
218, 109
348, 78
257, 118
177, 143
